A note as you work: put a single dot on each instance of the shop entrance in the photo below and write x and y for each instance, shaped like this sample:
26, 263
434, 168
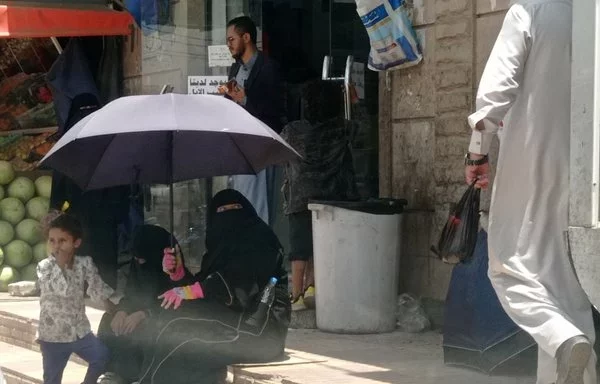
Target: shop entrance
180, 41
326, 39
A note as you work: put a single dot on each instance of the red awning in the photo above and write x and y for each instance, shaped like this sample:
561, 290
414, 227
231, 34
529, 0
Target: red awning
18, 21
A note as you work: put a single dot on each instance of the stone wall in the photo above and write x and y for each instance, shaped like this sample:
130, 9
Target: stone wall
423, 128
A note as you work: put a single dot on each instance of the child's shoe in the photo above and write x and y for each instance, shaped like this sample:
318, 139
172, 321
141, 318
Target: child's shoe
298, 304
309, 297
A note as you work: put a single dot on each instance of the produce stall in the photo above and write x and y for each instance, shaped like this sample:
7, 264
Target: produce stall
28, 122
27, 127
27, 117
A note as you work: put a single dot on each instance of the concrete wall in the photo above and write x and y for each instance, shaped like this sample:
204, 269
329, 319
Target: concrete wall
423, 128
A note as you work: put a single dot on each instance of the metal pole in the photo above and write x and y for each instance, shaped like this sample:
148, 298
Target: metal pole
166, 89
170, 176
56, 45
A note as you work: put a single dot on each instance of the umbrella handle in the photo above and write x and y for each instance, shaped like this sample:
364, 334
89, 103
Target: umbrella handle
171, 199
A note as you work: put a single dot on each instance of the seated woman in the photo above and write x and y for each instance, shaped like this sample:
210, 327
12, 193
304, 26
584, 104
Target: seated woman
126, 334
215, 320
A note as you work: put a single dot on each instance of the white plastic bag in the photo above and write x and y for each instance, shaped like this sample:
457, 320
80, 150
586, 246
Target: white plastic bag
411, 315
394, 43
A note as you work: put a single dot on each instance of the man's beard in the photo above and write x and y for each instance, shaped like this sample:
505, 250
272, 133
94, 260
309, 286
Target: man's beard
239, 54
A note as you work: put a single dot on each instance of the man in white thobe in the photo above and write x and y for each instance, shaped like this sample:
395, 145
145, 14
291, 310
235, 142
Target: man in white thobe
524, 97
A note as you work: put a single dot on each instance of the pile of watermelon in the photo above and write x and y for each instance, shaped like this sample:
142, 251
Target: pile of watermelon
23, 203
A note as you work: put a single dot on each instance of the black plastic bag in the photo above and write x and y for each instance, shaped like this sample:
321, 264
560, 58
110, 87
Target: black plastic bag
459, 236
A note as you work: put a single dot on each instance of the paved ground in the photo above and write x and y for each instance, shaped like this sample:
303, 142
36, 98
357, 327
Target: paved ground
313, 357
30, 363
375, 359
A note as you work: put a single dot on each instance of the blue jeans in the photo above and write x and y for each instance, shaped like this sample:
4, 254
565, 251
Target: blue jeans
56, 355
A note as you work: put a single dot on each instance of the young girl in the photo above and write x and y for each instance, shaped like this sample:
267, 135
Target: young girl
64, 328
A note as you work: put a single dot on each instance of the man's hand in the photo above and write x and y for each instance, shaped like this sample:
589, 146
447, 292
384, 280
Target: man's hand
118, 322
237, 93
132, 321
109, 306
477, 172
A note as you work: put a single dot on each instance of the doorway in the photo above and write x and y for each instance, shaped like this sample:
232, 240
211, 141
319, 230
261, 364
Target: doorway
326, 39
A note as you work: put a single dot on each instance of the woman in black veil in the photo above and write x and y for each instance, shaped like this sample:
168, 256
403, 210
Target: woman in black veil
210, 327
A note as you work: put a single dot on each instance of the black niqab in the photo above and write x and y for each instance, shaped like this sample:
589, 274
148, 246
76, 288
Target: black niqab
149, 242
238, 236
146, 281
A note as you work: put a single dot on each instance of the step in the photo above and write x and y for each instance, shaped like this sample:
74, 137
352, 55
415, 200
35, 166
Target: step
306, 319
18, 327
21, 331
19, 322
18, 330
24, 366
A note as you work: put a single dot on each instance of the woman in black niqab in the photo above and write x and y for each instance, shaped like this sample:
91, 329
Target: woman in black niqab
202, 337
127, 332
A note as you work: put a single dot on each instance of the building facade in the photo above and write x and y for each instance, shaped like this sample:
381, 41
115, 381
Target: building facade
412, 132
423, 130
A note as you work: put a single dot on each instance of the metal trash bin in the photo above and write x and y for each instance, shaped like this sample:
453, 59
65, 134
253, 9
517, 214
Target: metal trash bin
356, 248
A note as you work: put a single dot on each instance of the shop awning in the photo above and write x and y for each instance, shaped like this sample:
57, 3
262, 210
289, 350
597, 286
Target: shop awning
24, 20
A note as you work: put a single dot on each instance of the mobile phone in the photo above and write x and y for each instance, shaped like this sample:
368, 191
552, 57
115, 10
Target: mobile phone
231, 85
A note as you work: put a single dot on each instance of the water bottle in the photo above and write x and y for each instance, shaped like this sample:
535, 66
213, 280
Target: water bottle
257, 319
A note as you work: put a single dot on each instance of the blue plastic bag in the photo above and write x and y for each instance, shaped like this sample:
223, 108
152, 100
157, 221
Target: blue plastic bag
394, 43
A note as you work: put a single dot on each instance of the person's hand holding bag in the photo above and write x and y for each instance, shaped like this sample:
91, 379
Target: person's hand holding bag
175, 296
172, 263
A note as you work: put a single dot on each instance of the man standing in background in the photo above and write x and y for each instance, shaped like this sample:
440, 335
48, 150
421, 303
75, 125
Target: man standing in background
255, 83
524, 96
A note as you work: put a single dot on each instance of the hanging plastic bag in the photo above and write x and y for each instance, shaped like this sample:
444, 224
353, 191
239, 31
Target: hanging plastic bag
459, 235
394, 43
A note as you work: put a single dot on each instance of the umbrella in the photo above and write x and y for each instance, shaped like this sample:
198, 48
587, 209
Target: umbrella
477, 331
161, 139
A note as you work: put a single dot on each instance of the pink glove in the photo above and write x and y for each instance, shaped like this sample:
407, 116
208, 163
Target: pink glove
176, 295
172, 264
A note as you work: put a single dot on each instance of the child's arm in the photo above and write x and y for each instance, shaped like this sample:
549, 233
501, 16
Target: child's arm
51, 278
109, 306
98, 290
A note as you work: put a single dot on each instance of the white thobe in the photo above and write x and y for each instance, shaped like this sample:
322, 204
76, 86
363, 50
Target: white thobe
526, 86
254, 188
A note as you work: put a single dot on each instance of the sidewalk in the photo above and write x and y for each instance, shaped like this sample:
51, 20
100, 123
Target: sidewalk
396, 358
313, 357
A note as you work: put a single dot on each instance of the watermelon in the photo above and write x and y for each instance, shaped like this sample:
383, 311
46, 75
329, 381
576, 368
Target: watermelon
7, 173
8, 275
37, 207
12, 210
39, 252
43, 186
28, 272
22, 188
17, 254
7, 233
29, 231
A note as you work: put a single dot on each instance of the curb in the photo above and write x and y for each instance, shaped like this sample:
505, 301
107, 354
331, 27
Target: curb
21, 331
13, 377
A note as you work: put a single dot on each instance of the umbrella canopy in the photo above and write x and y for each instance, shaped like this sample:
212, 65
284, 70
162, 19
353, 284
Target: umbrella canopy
477, 331
160, 139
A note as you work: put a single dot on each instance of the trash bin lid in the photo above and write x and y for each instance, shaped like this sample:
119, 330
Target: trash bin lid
372, 206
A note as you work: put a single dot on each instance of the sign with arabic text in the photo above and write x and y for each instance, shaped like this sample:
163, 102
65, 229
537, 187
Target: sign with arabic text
205, 85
